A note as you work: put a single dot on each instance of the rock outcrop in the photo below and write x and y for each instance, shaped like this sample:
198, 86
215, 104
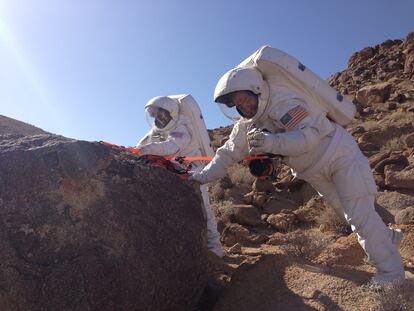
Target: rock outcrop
380, 81
85, 228
380, 68
9, 126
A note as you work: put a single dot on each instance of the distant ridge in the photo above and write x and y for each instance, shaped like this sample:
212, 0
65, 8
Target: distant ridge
12, 126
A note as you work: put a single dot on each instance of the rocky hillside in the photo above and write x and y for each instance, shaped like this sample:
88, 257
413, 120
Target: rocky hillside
380, 80
286, 249
391, 63
11, 126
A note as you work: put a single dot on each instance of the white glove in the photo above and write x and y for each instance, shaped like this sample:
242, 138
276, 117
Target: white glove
261, 142
143, 150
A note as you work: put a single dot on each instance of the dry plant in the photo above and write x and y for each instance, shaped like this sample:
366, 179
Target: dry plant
240, 174
329, 220
218, 190
394, 144
392, 297
224, 213
217, 193
305, 244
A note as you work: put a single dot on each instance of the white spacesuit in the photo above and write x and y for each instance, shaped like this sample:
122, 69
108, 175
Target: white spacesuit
317, 150
179, 130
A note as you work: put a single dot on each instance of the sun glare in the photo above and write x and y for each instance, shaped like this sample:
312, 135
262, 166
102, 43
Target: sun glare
12, 47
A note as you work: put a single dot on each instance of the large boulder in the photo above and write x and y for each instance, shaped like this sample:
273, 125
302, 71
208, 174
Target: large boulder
85, 228
247, 215
406, 216
399, 179
381, 136
377, 93
345, 251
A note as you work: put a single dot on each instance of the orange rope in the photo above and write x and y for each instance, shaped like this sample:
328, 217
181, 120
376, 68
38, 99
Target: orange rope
195, 158
130, 149
136, 150
247, 158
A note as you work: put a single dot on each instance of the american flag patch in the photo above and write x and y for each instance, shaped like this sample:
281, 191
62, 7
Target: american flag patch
293, 117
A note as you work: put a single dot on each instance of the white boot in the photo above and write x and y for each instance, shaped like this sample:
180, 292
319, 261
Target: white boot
390, 271
378, 241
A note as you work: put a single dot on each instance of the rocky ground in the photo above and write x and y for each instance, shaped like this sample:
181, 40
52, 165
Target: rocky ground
285, 248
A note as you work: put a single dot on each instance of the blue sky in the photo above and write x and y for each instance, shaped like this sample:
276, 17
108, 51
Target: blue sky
85, 68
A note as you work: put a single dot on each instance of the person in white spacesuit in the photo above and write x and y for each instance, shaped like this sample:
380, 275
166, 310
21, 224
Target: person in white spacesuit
177, 131
317, 150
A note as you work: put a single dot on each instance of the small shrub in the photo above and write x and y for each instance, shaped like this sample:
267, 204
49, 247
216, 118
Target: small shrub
217, 193
329, 220
305, 244
223, 212
240, 174
394, 144
218, 190
390, 297
224, 209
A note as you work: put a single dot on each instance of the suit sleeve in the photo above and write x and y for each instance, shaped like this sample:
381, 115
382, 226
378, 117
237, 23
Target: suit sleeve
177, 140
231, 152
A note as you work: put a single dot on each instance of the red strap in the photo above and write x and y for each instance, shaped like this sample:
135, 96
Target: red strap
247, 158
130, 149
136, 150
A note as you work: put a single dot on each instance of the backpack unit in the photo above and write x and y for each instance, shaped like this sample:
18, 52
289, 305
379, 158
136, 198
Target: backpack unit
189, 107
282, 70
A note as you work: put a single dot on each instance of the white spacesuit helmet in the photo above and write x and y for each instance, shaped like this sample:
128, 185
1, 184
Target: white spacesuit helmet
241, 79
162, 113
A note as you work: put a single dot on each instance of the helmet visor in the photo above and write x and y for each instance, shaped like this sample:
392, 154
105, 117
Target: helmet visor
226, 100
157, 117
243, 103
230, 112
